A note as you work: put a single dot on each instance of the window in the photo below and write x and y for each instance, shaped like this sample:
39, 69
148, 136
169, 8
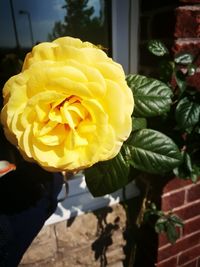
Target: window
79, 199
113, 24
26, 23
125, 21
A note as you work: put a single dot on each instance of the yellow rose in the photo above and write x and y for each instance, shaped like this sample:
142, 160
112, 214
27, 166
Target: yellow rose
69, 108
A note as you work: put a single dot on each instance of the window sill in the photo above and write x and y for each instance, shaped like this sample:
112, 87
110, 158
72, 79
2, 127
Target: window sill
79, 200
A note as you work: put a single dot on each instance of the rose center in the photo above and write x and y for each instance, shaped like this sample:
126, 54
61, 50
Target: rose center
69, 112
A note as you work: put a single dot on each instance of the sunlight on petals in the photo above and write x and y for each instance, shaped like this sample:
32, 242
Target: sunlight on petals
74, 140
109, 71
42, 110
86, 127
95, 110
69, 118
25, 141
40, 52
40, 129
55, 137
69, 108
79, 110
69, 87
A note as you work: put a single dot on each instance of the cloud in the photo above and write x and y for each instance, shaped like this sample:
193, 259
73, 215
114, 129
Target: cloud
96, 5
57, 5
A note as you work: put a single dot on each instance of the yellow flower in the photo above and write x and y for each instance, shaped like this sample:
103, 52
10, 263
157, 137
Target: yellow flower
69, 108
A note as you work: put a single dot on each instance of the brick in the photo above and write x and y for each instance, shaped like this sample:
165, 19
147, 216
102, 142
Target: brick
115, 255
173, 200
188, 211
42, 248
192, 263
191, 225
176, 183
190, 46
85, 228
74, 235
181, 245
172, 262
189, 255
187, 22
81, 242
193, 193
162, 240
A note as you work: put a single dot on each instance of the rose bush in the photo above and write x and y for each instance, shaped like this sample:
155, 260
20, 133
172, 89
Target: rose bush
69, 108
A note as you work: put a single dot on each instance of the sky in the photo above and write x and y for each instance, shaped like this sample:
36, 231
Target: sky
43, 13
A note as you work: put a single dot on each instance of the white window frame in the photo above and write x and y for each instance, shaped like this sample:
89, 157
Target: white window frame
125, 26
79, 200
125, 17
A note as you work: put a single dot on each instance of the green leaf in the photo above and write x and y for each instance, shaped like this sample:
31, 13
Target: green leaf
197, 129
196, 173
162, 220
187, 113
138, 123
180, 80
183, 170
157, 48
183, 58
159, 227
172, 233
153, 152
152, 97
176, 220
107, 176
187, 170
166, 69
191, 69
153, 206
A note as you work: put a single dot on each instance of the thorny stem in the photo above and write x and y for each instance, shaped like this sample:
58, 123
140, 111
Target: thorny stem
144, 202
139, 217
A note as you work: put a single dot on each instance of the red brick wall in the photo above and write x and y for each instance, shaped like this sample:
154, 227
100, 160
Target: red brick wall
183, 197
187, 34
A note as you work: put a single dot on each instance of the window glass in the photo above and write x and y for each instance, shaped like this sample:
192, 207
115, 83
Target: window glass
157, 21
25, 23
37, 21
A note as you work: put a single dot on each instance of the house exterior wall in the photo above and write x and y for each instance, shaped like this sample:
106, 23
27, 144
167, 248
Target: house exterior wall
75, 242
83, 241
183, 197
